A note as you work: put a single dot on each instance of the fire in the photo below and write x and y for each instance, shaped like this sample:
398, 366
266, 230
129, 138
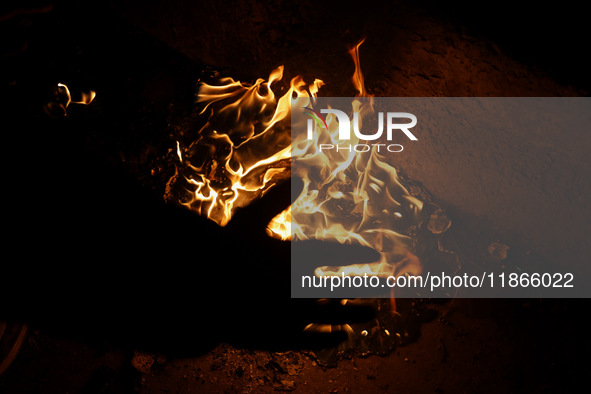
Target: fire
245, 148
357, 198
58, 107
280, 226
63, 99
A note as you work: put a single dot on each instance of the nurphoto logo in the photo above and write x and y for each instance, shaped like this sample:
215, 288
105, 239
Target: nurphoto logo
344, 129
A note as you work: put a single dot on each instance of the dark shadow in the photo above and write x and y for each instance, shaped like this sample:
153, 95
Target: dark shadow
93, 251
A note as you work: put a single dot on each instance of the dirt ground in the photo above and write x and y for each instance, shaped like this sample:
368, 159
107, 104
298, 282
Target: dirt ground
472, 346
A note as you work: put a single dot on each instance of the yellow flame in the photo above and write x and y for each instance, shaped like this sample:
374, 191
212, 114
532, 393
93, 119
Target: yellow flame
246, 141
280, 226
86, 98
357, 198
245, 148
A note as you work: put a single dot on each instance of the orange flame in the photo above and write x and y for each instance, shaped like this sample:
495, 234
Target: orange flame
357, 199
85, 99
357, 79
245, 148
63, 99
246, 144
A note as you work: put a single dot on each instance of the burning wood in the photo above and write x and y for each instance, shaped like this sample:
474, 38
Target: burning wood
245, 148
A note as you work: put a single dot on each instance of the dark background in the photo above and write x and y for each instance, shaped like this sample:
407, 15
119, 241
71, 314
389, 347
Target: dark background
93, 256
